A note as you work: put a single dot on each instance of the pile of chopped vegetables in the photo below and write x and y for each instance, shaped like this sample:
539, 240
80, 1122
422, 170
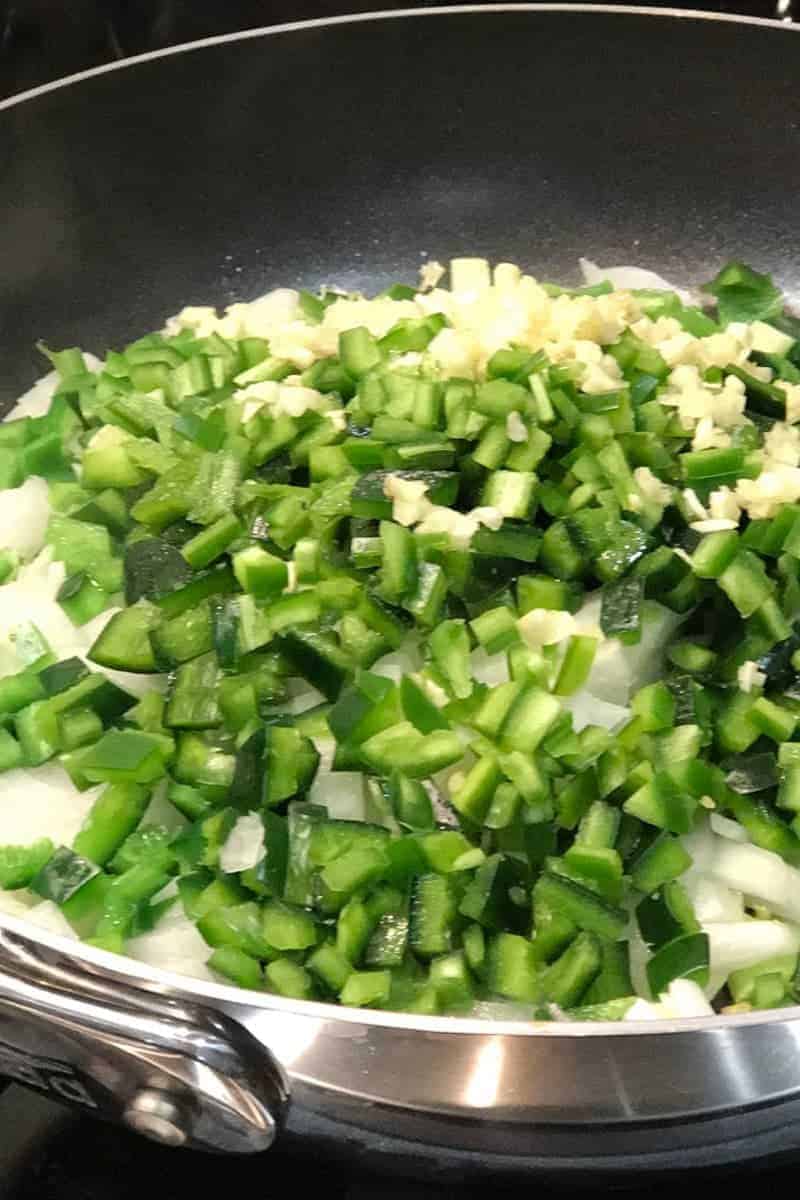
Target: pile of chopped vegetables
436, 652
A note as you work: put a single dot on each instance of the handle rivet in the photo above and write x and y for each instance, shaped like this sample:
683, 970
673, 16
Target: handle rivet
157, 1116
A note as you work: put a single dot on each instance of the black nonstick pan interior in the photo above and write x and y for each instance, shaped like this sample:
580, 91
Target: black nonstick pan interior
350, 151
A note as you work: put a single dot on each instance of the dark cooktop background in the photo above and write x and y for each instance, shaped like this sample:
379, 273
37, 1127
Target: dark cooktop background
45, 39
49, 1153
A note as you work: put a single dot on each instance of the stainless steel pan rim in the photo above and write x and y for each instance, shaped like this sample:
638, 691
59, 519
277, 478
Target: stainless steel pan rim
156, 980
689, 14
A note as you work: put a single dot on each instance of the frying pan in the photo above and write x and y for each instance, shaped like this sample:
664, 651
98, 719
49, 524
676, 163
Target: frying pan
346, 151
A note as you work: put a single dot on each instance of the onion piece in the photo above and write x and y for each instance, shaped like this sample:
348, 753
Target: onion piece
36, 401
49, 916
618, 671
711, 900
326, 749
646, 1010
726, 828
342, 793
501, 1010
699, 845
686, 999
303, 700
759, 873
160, 811
631, 278
24, 514
638, 956
84, 638
737, 944
43, 572
491, 669
168, 892
17, 903
24, 601
398, 663
244, 845
683, 998
43, 803
174, 945
587, 709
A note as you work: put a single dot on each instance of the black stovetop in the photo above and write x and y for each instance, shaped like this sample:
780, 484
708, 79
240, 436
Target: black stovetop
49, 1153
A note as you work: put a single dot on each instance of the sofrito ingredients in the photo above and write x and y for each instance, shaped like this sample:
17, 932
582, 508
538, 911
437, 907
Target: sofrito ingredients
437, 652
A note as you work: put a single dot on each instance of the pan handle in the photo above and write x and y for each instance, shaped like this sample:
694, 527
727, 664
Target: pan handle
177, 1072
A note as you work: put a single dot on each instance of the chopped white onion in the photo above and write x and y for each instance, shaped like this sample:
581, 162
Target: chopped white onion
500, 1010
683, 998
646, 1010
42, 804
545, 627
36, 401
638, 956
86, 635
711, 900
700, 845
275, 307
686, 999
43, 573
31, 597
436, 694
49, 916
591, 710
631, 278
84, 638
135, 685
244, 845
342, 793
17, 903
759, 873
618, 671
394, 666
727, 828
24, 513
168, 892
326, 749
161, 812
303, 700
24, 601
737, 944
174, 945
491, 669
442, 780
